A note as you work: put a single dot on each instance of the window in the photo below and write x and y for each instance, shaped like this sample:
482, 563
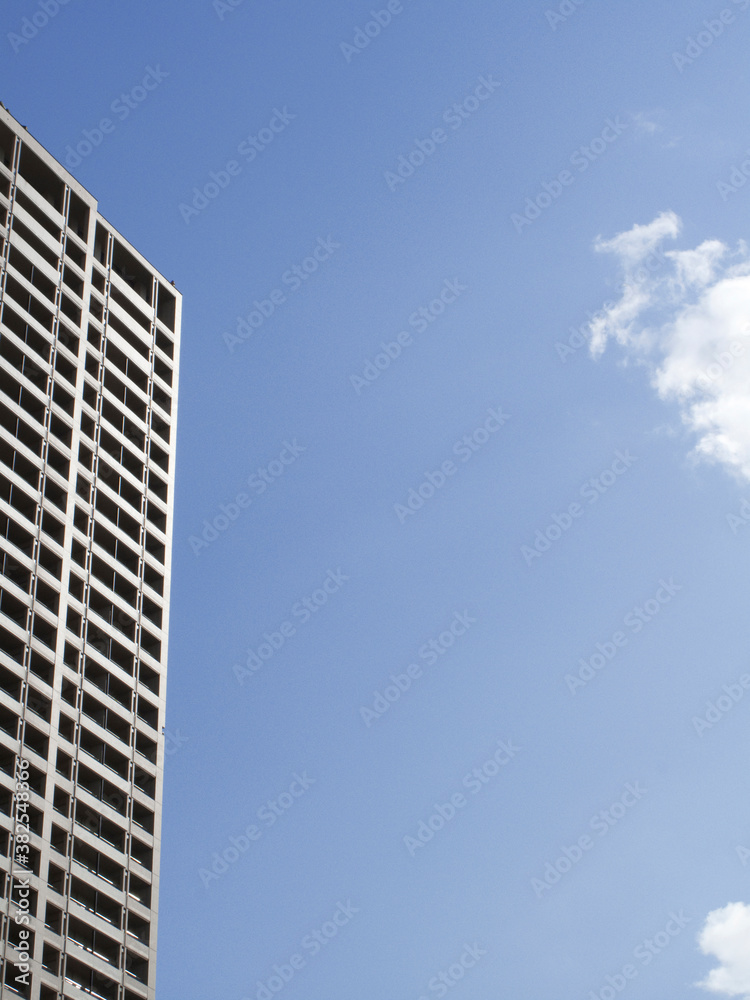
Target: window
71, 655
47, 596
61, 802
39, 704
96, 901
130, 270
97, 824
37, 214
165, 310
42, 178
96, 863
109, 684
147, 712
44, 631
15, 571
102, 789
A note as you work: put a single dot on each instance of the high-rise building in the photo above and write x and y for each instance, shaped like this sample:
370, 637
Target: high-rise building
89, 348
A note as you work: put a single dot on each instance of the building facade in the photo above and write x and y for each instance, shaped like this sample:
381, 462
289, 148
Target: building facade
89, 350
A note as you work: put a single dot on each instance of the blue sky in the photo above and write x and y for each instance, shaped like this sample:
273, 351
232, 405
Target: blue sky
358, 339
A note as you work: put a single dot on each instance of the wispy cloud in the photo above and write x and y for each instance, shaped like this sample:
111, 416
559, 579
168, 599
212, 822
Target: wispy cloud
689, 324
645, 121
656, 122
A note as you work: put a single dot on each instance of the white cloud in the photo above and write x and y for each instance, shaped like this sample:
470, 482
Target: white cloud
726, 936
685, 315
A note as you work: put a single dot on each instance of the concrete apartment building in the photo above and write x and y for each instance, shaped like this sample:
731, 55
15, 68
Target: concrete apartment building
89, 350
